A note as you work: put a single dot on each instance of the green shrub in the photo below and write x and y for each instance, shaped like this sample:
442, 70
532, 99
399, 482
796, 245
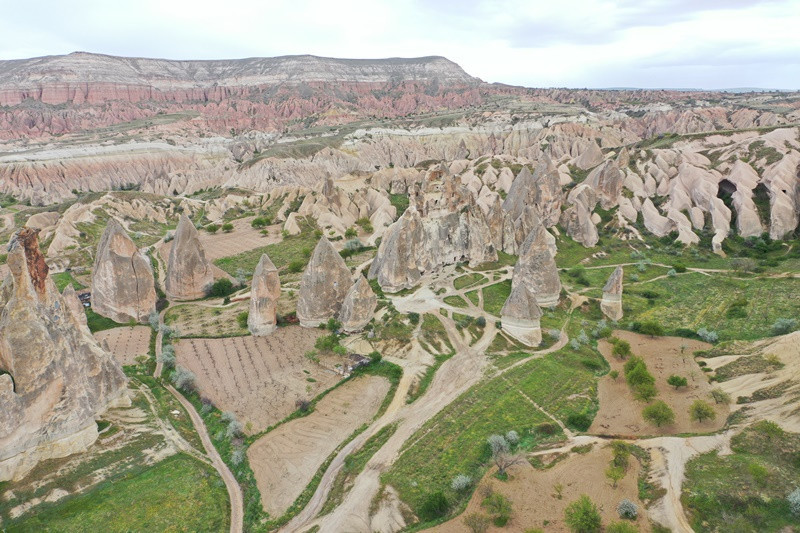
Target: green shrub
221, 287
677, 381
582, 516
700, 411
241, 319
658, 413
435, 506
227, 227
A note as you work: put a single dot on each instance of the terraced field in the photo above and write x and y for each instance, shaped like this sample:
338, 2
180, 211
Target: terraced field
126, 344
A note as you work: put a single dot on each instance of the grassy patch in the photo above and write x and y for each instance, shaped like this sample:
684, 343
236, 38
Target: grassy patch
455, 301
99, 323
294, 250
468, 280
177, 494
454, 441
753, 364
62, 279
503, 260
353, 465
400, 202
495, 296
745, 491
196, 321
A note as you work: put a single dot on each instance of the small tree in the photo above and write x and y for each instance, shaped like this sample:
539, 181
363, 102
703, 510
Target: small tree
627, 509
582, 516
651, 328
720, 396
460, 482
794, 501
476, 522
677, 381
700, 411
221, 287
350, 233
183, 379
212, 228
615, 474
614, 374
154, 320
501, 455
622, 349
227, 227
658, 413
512, 437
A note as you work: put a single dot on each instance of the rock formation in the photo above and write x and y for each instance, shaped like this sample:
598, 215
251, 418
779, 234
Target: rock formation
123, 287
577, 218
536, 268
358, 307
324, 285
75, 306
611, 304
520, 316
264, 294
55, 378
189, 274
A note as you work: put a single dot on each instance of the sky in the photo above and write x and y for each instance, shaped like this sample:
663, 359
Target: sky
709, 44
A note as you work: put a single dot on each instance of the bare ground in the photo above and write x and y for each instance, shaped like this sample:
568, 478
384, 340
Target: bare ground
126, 344
285, 460
621, 414
257, 378
535, 499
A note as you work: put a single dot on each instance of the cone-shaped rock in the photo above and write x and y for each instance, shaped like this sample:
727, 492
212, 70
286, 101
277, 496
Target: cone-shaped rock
75, 306
536, 267
521, 316
56, 379
325, 283
358, 307
395, 265
123, 287
611, 304
189, 275
264, 294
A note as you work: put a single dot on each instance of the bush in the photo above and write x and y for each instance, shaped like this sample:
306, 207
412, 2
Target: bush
700, 411
672, 273
679, 267
477, 523
710, 337
221, 287
499, 507
296, 266
782, 326
260, 222
614, 374
720, 396
460, 482
212, 228
234, 429
480, 322
650, 327
350, 233
168, 356
621, 527
183, 378
413, 318
677, 381
794, 501
512, 437
241, 319
622, 348
153, 319
658, 413
579, 421
627, 509
582, 516
227, 227
435, 506
498, 444
333, 325
237, 457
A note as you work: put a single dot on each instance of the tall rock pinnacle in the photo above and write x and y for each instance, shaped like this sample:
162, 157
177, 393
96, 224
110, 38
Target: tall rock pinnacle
189, 274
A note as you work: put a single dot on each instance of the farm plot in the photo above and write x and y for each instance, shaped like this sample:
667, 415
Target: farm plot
243, 237
621, 414
126, 344
257, 378
201, 321
285, 460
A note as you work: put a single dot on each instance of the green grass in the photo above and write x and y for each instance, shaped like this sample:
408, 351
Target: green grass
353, 465
400, 201
177, 494
468, 280
62, 279
99, 323
694, 300
745, 491
294, 248
503, 260
455, 301
454, 441
495, 296
426, 379
473, 297
433, 336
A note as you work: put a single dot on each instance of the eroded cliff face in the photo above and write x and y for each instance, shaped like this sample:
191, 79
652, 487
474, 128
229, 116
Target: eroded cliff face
55, 378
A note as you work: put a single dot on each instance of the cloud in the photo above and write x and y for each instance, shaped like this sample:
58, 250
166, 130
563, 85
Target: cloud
579, 43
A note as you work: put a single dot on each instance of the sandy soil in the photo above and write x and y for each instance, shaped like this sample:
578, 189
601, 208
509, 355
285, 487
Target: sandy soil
205, 320
285, 460
621, 414
243, 237
126, 344
258, 378
533, 494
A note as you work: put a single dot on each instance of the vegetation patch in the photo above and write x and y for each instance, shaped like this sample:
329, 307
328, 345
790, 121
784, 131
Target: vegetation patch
495, 296
754, 364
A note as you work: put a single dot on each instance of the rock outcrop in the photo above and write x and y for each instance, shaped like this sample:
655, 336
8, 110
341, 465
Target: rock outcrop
577, 218
520, 316
55, 378
264, 294
324, 285
75, 306
611, 304
123, 286
536, 268
189, 274
358, 307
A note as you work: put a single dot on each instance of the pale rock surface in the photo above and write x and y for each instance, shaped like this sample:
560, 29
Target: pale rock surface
655, 222
521, 315
536, 268
577, 219
62, 379
264, 294
611, 304
75, 306
189, 274
291, 225
123, 286
590, 157
745, 178
325, 283
358, 307
607, 181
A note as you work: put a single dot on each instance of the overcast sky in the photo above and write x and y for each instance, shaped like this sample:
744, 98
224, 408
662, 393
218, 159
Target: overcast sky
572, 43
